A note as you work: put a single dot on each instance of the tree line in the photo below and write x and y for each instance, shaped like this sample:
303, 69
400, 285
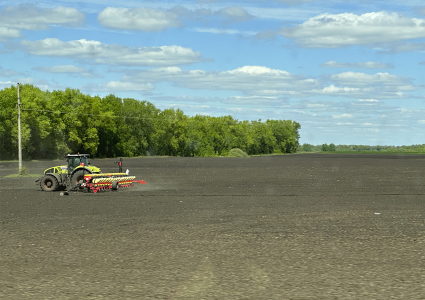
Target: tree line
60, 122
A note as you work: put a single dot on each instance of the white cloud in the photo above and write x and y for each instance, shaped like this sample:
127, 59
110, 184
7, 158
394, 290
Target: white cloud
60, 69
293, 2
361, 65
235, 14
369, 100
303, 112
380, 85
337, 90
8, 33
152, 20
404, 47
143, 19
226, 14
116, 87
6, 84
113, 54
234, 100
288, 2
252, 100
362, 79
30, 17
42, 84
406, 110
252, 80
360, 85
13, 19
347, 29
224, 31
267, 83
235, 109
343, 116
90, 74
183, 98
344, 109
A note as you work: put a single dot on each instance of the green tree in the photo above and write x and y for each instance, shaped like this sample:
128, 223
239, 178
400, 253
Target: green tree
35, 123
109, 128
263, 139
137, 136
286, 135
60, 122
199, 140
307, 147
8, 123
240, 136
79, 115
325, 147
171, 133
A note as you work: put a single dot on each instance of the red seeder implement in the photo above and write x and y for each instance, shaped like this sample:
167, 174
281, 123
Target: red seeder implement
109, 181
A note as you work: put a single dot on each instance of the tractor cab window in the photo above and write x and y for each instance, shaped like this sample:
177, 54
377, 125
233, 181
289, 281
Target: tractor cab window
73, 162
84, 160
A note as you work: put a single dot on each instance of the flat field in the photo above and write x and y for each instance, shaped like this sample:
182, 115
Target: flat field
277, 227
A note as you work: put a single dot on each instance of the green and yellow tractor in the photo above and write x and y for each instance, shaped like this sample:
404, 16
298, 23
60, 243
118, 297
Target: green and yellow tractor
79, 174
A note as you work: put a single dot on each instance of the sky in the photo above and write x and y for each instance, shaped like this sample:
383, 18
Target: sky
349, 71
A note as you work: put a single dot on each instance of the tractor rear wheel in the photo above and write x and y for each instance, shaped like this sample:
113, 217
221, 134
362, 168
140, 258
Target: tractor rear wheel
49, 183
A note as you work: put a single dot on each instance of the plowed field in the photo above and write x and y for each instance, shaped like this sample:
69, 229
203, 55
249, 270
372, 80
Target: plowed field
277, 227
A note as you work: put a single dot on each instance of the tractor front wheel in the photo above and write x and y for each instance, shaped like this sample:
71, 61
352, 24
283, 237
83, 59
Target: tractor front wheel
49, 184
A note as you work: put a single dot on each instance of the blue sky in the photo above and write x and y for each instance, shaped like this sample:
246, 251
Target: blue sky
349, 71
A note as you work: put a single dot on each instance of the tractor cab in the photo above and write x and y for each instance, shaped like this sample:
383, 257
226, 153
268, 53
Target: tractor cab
75, 160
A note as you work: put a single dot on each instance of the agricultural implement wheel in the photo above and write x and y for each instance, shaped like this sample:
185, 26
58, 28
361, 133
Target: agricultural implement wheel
115, 185
48, 183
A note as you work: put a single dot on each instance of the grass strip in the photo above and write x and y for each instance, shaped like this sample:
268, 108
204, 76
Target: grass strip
21, 176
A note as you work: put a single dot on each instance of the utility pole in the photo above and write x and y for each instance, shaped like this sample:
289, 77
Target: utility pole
19, 133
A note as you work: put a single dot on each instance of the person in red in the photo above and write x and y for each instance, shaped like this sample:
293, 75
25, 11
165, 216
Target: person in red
119, 165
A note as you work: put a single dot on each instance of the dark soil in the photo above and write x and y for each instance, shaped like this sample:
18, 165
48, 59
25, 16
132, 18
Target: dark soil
277, 227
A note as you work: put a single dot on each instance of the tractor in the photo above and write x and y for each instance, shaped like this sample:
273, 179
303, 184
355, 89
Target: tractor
61, 177
79, 174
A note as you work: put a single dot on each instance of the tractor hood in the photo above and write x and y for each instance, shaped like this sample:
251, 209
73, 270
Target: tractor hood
92, 169
57, 169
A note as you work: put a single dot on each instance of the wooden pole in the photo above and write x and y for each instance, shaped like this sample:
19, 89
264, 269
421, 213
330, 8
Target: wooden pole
19, 133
